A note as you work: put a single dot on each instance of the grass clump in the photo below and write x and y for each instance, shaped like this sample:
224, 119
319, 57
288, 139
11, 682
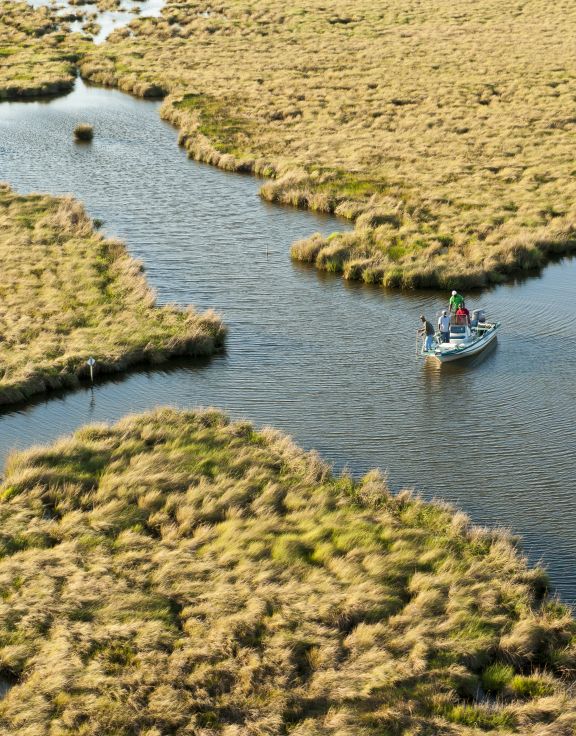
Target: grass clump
84, 132
496, 677
181, 573
484, 719
531, 687
68, 294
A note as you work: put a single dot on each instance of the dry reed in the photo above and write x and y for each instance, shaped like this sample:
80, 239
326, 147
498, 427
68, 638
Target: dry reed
84, 132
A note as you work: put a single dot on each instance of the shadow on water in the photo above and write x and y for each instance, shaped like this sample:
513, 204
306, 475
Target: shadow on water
471, 363
7, 682
422, 298
330, 362
188, 366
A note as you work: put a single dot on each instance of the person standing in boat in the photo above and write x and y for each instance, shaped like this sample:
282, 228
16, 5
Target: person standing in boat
444, 326
463, 311
427, 331
456, 300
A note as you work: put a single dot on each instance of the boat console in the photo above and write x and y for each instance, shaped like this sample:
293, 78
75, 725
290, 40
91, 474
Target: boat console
459, 329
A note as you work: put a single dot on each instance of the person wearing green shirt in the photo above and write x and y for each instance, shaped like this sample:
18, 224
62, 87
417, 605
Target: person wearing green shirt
456, 300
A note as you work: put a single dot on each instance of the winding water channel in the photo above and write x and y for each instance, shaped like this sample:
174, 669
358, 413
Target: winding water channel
331, 363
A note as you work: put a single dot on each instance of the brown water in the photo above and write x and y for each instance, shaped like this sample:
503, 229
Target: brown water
331, 363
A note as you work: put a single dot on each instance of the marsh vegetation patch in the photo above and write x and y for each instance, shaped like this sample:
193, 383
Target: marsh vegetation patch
457, 124
198, 574
37, 57
68, 294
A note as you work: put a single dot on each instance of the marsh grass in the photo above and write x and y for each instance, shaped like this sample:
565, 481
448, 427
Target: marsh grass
444, 133
37, 56
92, 28
67, 293
496, 677
178, 573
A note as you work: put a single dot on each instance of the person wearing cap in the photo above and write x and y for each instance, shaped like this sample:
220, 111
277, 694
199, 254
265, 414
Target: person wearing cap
456, 300
444, 326
428, 331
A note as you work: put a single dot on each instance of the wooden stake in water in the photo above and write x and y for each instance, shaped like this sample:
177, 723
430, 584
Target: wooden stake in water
91, 363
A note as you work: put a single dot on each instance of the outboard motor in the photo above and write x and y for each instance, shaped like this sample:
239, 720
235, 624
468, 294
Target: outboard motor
478, 315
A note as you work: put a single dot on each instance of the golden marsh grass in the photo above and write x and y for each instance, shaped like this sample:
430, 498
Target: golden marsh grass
67, 293
37, 57
444, 131
177, 573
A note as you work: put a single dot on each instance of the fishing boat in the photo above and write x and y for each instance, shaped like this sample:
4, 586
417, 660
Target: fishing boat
468, 336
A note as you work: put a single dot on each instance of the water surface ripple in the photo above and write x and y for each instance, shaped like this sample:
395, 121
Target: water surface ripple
331, 363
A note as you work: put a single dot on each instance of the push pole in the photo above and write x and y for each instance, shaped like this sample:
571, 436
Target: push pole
91, 363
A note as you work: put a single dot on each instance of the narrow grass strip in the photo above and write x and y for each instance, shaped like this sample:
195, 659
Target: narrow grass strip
67, 294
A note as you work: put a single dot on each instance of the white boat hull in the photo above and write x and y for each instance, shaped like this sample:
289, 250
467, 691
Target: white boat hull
464, 350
